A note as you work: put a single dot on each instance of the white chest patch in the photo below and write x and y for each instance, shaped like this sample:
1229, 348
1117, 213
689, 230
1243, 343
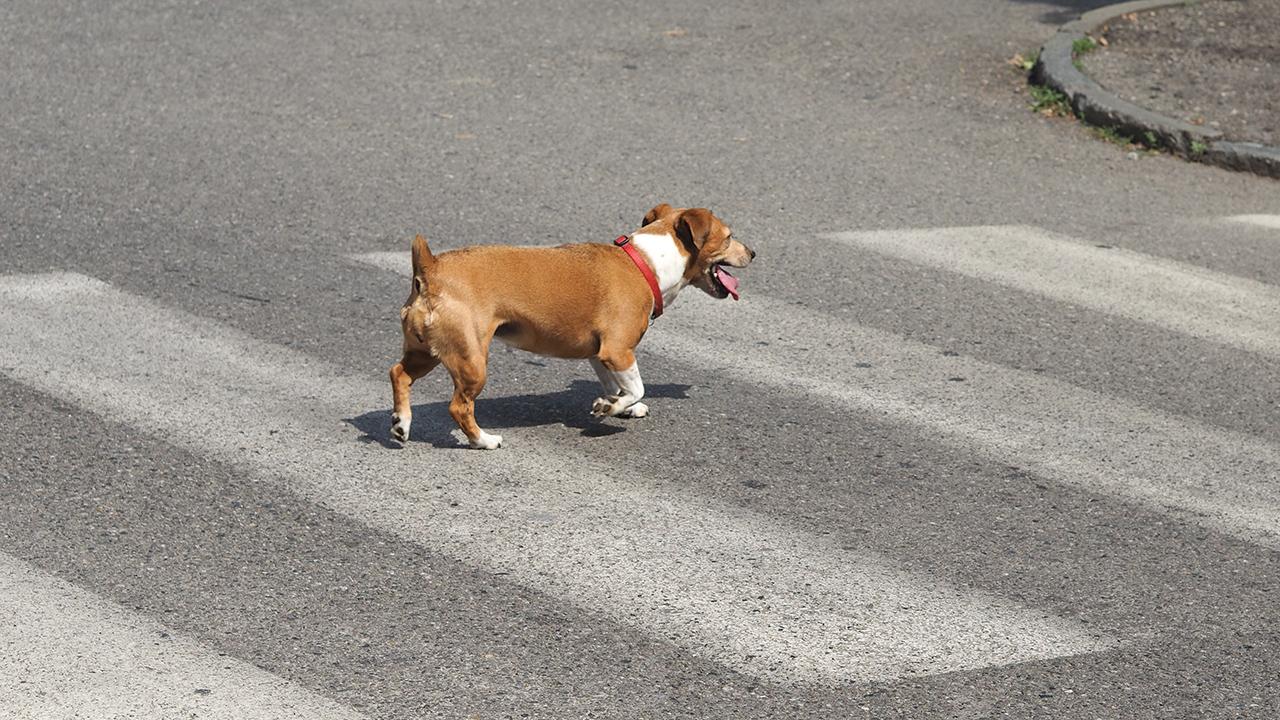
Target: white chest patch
665, 258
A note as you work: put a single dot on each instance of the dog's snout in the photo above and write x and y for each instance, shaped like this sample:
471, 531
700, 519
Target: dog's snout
752, 253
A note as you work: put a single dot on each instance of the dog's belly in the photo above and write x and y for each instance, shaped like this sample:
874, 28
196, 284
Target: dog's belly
556, 344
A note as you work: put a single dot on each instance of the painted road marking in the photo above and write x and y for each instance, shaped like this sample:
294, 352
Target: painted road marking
1177, 296
1266, 221
717, 580
65, 652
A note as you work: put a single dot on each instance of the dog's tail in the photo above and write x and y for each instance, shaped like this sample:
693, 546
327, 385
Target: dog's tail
424, 264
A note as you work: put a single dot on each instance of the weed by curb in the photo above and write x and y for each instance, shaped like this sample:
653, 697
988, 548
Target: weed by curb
1148, 141
1080, 47
1084, 45
1049, 102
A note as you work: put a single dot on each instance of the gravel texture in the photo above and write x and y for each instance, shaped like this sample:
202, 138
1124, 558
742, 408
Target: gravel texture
1214, 63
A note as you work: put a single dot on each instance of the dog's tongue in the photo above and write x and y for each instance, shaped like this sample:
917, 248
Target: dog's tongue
729, 282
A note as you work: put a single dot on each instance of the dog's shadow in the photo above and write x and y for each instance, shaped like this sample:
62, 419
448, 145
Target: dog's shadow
569, 407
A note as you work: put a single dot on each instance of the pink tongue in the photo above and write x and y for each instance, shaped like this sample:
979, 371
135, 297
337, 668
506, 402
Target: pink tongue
729, 282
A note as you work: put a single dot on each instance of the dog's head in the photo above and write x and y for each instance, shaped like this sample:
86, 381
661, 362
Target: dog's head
708, 243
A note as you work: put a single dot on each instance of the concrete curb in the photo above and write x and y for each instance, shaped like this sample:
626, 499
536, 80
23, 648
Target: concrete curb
1097, 106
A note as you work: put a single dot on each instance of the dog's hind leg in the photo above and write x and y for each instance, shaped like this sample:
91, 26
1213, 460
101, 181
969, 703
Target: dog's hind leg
468, 374
411, 367
620, 377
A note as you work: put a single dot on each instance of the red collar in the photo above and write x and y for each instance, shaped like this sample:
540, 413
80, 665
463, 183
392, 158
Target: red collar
624, 242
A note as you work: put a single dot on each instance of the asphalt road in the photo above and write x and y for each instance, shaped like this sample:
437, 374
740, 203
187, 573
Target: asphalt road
991, 432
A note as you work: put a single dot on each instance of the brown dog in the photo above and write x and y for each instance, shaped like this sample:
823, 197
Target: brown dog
573, 301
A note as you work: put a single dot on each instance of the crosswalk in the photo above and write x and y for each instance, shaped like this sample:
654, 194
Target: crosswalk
65, 653
676, 563
670, 563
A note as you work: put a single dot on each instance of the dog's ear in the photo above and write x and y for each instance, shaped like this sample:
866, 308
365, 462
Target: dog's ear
423, 263
658, 211
693, 226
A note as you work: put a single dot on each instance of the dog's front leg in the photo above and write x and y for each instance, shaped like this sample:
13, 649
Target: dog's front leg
623, 387
411, 367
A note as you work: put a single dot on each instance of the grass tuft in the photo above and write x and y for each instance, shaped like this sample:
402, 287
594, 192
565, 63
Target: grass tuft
1081, 47
1112, 135
1084, 45
1049, 102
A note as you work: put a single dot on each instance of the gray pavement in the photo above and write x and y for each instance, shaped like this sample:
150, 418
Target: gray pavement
920, 473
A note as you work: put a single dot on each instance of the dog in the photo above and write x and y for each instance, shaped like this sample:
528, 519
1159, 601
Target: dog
585, 300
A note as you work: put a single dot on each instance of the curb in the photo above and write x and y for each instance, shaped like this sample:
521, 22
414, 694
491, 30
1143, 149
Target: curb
1097, 106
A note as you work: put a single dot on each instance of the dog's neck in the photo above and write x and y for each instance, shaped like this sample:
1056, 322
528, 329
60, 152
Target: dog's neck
667, 261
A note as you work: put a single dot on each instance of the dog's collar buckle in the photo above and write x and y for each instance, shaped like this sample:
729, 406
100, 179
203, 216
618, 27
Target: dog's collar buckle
624, 242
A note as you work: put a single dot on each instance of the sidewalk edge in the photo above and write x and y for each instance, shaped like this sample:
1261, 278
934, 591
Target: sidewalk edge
1097, 106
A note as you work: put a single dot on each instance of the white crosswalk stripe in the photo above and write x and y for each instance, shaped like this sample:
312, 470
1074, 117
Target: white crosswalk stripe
1223, 479
715, 579
66, 653
1184, 298
1265, 221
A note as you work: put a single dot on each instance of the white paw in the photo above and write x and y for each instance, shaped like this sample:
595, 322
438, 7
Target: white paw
618, 407
605, 406
637, 410
485, 441
400, 427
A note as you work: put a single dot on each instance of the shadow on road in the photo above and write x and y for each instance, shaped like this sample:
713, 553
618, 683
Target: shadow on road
1068, 9
569, 407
